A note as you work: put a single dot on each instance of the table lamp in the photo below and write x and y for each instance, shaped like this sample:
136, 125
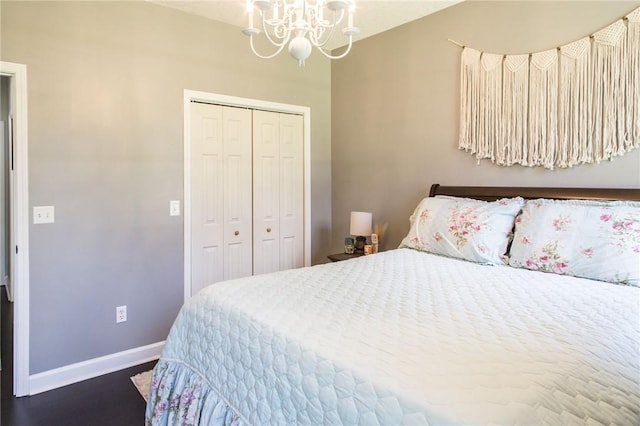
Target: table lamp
360, 228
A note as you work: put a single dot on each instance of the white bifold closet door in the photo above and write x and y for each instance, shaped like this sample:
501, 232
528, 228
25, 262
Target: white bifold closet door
221, 194
247, 193
278, 204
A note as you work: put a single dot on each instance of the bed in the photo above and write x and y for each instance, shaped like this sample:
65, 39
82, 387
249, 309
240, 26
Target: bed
501, 306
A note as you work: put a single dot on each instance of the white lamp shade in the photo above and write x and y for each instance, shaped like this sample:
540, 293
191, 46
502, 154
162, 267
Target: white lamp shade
360, 223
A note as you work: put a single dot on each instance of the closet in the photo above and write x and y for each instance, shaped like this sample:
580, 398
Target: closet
246, 192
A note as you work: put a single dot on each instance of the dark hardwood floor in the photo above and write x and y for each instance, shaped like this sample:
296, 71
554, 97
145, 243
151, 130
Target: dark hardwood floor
109, 400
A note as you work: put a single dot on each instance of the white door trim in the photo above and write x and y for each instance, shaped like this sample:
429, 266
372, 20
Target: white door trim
192, 95
4, 267
20, 207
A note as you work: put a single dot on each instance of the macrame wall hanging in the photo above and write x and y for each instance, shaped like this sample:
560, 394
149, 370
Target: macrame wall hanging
575, 104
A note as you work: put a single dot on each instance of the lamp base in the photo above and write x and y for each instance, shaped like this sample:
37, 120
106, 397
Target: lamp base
360, 242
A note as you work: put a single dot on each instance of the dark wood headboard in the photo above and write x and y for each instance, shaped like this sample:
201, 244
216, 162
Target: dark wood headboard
491, 193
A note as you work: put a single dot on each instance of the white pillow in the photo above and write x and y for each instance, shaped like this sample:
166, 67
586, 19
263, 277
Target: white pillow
474, 230
590, 239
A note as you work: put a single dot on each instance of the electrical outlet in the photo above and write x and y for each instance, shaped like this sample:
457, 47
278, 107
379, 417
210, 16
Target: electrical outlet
121, 313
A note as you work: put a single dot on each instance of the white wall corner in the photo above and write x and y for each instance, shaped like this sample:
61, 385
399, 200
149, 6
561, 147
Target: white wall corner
89, 369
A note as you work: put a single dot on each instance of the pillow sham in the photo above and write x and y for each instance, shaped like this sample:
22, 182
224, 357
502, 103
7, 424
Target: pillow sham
589, 239
463, 228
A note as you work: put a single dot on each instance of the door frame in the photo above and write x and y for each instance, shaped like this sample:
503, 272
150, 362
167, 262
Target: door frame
4, 267
232, 101
20, 224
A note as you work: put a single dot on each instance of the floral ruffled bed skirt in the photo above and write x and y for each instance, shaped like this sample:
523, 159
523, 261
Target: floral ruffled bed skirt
180, 396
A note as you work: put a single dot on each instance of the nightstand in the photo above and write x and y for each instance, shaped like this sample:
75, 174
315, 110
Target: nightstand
343, 256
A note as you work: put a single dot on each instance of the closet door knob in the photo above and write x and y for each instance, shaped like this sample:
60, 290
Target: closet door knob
268, 229
236, 233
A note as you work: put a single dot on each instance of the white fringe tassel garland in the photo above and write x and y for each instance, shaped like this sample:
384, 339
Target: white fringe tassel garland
512, 143
579, 103
633, 65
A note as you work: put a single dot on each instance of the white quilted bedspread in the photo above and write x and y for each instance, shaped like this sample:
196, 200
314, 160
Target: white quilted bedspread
408, 337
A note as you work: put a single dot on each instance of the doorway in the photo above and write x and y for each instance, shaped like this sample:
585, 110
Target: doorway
15, 205
6, 314
5, 183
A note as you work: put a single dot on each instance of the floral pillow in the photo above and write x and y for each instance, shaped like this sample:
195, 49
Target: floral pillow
474, 230
590, 239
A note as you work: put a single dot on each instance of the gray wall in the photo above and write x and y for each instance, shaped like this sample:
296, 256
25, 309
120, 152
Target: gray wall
395, 103
105, 93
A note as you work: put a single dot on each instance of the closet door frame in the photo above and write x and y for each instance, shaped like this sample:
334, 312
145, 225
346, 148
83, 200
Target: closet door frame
232, 101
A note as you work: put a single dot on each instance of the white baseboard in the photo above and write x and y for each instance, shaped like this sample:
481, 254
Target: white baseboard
89, 369
5, 280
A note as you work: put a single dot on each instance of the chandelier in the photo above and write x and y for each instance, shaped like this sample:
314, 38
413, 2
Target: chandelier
300, 24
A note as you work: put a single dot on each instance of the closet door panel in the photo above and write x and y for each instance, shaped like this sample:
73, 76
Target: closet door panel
266, 202
237, 200
212, 259
291, 192
207, 191
247, 193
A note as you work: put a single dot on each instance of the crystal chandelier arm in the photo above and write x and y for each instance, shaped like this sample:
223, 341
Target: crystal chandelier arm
265, 56
342, 55
284, 41
316, 40
285, 37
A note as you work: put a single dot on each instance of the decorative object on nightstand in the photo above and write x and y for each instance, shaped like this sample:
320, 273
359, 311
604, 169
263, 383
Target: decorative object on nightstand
360, 228
349, 246
379, 230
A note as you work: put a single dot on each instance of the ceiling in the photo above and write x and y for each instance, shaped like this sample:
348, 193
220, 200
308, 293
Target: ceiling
372, 16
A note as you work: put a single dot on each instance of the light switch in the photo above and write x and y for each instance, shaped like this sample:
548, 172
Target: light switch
174, 208
43, 214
